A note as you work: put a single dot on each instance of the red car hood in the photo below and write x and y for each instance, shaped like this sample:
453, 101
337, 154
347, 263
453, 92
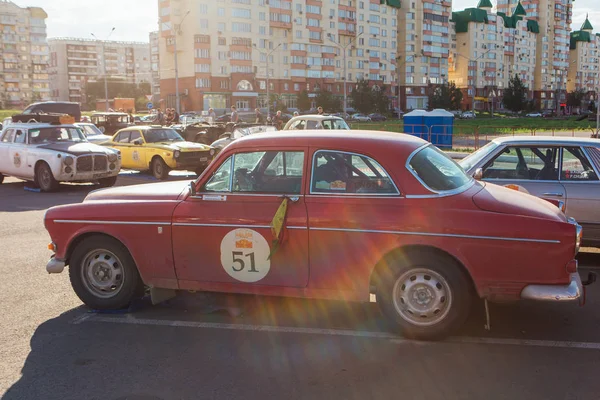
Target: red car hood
149, 191
499, 199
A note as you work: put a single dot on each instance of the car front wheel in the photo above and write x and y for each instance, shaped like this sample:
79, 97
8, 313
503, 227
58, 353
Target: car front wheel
103, 274
427, 297
160, 170
45, 179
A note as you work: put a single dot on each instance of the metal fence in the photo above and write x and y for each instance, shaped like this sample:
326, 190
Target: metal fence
466, 137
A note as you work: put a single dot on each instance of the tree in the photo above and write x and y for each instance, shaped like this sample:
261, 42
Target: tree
446, 96
381, 103
328, 101
116, 88
515, 95
362, 97
575, 98
303, 101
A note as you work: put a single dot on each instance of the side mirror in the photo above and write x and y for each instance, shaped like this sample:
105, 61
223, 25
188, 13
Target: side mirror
192, 188
478, 175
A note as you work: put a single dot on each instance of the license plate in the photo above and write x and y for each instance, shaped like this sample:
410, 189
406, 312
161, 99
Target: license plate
203, 158
102, 175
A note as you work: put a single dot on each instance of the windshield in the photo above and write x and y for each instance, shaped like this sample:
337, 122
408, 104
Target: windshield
56, 134
91, 130
473, 159
162, 135
437, 171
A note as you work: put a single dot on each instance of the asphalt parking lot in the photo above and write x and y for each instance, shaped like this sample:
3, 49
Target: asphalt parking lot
216, 346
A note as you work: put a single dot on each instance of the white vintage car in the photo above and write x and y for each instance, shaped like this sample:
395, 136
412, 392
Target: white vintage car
51, 153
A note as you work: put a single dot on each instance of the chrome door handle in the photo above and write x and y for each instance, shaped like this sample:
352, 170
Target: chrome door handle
553, 194
293, 199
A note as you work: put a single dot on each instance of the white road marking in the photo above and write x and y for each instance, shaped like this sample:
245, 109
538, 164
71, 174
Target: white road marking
130, 320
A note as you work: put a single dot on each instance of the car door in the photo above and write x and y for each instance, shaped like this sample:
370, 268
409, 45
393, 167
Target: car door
121, 142
19, 154
6, 163
138, 152
533, 168
350, 205
222, 234
579, 176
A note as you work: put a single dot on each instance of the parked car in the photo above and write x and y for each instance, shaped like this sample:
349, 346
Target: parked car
377, 117
238, 133
159, 150
92, 133
467, 115
559, 169
534, 115
50, 153
302, 122
54, 107
110, 122
360, 118
367, 212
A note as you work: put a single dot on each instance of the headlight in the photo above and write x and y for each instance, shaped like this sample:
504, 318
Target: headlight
212, 152
112, 157
176, 154
68, 160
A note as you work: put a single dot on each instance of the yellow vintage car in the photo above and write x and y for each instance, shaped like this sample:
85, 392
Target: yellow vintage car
160, 150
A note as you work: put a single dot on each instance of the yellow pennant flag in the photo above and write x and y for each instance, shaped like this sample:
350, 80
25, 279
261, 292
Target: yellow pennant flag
277, 225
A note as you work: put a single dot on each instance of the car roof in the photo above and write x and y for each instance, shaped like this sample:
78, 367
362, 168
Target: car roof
52, 102
316, 117
557, 140
144, 127
34, 125
330, 138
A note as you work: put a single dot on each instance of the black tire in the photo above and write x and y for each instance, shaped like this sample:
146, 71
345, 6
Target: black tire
159, 169
434, 308
45, 179
108, 182
111, 256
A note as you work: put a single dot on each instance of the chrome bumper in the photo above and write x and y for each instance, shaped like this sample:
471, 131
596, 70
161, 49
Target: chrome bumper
55, 266
571, 292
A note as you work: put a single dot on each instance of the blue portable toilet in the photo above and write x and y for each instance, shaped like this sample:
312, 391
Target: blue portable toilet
414, 124
440, 124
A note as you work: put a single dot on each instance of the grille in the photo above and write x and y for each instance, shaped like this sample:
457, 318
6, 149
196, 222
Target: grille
192, 156
100, 163
84, 163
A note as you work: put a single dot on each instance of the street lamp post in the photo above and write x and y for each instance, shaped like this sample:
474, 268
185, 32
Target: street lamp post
104, 66
268, 73
176, 30
345, 66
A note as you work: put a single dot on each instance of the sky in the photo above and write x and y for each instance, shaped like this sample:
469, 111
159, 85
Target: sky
134, 19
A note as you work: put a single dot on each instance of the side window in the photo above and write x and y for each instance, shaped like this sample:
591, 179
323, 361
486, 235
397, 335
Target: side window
134, 135
339, 172
8, 136
20, 137
219, 181
576, 166
327, 124
299, 124
524, 163
268, 172
123, 137
312, 124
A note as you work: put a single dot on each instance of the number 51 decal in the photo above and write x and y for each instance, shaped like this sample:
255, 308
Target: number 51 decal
237, 258
245, 255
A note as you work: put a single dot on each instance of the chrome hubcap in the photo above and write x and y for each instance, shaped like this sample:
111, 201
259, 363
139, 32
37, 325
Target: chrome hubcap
45, 177
422, 297
103, 273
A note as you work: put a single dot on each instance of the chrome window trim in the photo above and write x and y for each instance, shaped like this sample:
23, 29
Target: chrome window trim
436, 193
321, 194
245, 194
95, 222
501, 238
220, 225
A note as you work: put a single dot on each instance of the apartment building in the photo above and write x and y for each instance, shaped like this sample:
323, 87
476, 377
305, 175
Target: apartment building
553, 18
488, 49
155, 66
423, 49
584, 62
24, 52
76, 61
227, 51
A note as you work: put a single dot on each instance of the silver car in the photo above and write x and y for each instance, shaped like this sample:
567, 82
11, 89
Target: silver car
559, 169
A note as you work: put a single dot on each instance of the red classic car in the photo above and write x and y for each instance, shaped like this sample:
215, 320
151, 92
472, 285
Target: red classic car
325, 214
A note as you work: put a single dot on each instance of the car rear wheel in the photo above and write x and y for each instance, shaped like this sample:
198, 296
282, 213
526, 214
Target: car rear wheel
45, 179
103, 274
426, 297
108, 182
160, 170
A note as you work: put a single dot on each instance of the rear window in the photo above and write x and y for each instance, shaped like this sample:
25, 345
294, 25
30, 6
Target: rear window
437, 171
